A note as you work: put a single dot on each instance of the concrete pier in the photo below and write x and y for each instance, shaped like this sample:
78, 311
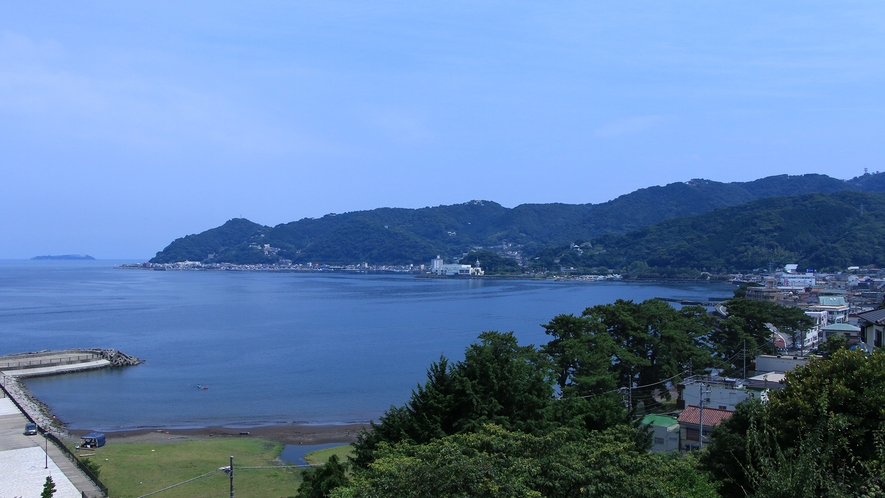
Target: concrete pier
56, 362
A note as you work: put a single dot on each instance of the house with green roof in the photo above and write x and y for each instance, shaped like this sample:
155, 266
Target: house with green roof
665, 432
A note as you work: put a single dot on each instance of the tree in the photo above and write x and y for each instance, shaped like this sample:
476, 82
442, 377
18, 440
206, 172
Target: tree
494, 462
822, 434
726, 455
48, 488
319, 483
746, 328
498, 382
503, 383
654, 342
834, 343
581, 351
842, 394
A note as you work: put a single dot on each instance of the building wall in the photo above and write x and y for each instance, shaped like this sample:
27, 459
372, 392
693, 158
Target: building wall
768, 363
665, 438
725, 398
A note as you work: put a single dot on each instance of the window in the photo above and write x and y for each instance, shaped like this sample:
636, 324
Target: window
691, 434
659, 440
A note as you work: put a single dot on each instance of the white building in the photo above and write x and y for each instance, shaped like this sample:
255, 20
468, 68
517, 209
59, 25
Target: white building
665, 432
797, 281
835, 306
716, 394
438, 268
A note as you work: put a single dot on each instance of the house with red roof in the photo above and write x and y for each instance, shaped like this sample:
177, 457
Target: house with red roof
693, 424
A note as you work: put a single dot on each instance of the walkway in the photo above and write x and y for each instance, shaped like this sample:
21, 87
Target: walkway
57, 369
24, 461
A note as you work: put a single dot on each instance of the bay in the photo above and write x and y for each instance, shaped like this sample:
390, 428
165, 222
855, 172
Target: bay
274, 348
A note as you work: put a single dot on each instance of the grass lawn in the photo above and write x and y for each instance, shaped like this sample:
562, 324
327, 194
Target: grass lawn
322, 456
130, 470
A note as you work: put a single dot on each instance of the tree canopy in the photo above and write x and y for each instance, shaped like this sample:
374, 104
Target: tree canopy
495, 462
822, 434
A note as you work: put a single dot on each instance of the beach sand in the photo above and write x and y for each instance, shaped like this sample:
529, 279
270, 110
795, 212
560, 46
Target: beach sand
285, 434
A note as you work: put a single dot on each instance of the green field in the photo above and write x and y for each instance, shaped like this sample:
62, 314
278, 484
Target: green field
322, 456
130, 470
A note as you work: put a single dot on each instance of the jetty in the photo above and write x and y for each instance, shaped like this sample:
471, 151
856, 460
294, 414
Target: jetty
41, 363
709, 303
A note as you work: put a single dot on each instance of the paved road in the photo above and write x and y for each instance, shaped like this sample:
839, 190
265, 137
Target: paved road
24, 461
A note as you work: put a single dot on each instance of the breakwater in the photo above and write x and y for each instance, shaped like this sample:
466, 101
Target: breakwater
41, 363
33, 409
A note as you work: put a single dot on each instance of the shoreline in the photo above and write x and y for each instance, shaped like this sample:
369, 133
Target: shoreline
284, 434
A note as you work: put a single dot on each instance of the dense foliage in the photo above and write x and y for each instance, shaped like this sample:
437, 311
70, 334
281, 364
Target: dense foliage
745, 330
498, 382
821, 231
494, 462
491, 263
511, 420
822, 434
319, 483
402, 236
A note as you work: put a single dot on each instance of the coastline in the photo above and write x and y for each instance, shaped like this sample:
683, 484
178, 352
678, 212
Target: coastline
284, 434
40, 413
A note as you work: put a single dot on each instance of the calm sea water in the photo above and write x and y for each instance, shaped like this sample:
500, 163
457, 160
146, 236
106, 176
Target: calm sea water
274, 348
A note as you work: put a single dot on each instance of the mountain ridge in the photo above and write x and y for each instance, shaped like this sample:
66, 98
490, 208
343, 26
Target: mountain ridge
403, 236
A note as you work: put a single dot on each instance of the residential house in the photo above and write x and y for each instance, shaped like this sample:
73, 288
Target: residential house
836, 307
718, 393
695, 424
665, 432
872, 327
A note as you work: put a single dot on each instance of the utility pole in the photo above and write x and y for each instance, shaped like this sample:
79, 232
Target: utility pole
704, 391
231, 476
745, 359
46, 449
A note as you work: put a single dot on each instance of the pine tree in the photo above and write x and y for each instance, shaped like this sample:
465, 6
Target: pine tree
48, 488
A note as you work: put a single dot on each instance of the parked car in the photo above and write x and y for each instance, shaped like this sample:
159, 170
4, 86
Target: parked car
30, 429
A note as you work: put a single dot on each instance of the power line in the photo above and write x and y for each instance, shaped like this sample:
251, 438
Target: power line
268, 467
179, 484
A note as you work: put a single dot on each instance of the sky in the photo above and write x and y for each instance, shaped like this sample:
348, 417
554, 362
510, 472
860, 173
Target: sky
125, 125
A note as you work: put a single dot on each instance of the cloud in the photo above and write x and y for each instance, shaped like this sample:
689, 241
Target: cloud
627, 126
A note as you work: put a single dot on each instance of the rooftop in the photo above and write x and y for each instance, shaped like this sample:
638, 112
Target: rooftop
712, 416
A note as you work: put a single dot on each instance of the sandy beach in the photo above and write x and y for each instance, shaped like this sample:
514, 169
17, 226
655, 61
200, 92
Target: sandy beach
285, 434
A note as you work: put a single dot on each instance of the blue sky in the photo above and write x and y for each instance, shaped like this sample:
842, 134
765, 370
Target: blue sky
124, 125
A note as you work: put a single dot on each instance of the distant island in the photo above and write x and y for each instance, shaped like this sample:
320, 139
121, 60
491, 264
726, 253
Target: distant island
76, 257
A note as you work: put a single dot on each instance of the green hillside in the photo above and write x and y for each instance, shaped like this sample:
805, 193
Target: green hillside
820, 231
402, 236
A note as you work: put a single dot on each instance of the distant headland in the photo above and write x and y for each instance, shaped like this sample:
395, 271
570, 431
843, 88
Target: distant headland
80, 257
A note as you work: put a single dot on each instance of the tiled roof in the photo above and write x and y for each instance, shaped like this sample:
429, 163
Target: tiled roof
712, 416
874, 316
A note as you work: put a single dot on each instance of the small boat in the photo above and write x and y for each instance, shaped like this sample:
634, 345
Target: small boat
201, 386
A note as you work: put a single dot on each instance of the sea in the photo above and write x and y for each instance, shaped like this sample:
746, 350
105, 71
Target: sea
273, 348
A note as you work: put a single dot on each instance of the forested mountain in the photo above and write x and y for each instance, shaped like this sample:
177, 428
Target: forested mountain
820, 231
401, 236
